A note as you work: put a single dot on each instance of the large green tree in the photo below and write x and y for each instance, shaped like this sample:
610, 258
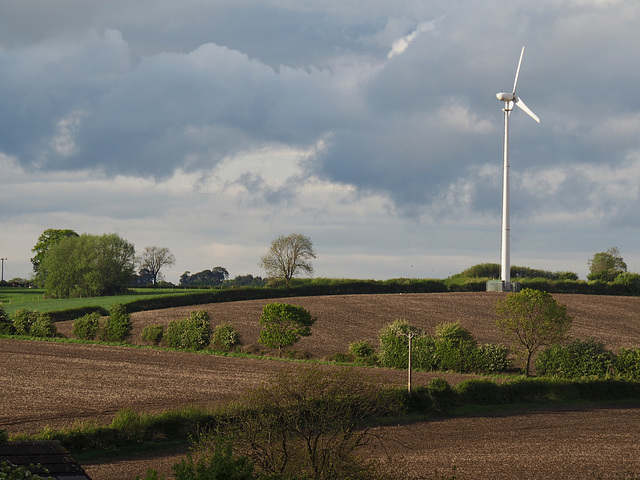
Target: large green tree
531, 319
89, 265
288, 256
606, 266
46, 240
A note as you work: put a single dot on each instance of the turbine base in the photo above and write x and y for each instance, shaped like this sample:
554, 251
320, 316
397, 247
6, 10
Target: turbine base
502, 286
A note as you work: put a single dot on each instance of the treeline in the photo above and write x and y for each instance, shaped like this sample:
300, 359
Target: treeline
492, 270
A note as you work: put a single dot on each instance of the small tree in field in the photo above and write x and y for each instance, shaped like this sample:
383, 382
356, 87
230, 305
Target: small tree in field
288, 256
283, 325
531, 319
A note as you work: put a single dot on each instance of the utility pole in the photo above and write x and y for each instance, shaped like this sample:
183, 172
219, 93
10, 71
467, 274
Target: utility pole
2, 275
410, 336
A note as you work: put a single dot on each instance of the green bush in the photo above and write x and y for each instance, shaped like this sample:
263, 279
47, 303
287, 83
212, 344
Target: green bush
22, 320
579, 359
27, 322
627, 363
479, 392
225, 337
43, 327
361, 349
491, 358
218, 463
284, 324
192, 332
153, 334
6, 325
118, 326
394, 344
87, 326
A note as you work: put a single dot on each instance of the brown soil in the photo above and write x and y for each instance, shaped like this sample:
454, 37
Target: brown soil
58, 384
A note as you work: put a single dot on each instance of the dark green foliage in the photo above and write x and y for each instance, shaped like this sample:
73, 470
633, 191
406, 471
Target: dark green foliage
192, 332
284, 324
86, 327
627, 363
118, 326
6, 325
225, 337
28, 322
492, 270
214, 461
578, 359
153, 334
479, 392
76, 312
361, 349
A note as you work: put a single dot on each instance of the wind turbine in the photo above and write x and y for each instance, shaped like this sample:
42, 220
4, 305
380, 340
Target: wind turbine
509, 99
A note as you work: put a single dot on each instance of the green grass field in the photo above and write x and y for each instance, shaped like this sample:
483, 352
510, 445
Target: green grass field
13, 299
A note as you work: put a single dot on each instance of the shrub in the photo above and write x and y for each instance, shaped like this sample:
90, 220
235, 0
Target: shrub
627, 363
454, 333
225, 337
153, 333
361, 349
192, 332
284, 324
442, 395
479, 392
43, 327
394, 344
216, 461
491, 358
22, 320
578, 359
6, 326
118, 325
86, 327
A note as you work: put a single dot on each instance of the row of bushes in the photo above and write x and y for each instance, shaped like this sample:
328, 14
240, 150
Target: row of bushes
193, 333
27, 322
451, 348
588, 358
114, 328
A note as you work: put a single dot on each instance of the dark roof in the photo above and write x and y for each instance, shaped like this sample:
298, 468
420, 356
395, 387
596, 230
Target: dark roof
51, 456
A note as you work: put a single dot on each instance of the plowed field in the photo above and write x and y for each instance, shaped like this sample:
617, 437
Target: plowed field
58, 384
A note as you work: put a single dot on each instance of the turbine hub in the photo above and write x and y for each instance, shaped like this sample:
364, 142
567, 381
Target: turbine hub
506, 97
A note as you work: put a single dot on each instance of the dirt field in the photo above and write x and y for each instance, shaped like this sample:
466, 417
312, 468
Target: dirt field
58, 384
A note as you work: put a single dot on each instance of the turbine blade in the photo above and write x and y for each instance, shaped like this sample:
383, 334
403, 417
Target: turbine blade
528, 111
518, 70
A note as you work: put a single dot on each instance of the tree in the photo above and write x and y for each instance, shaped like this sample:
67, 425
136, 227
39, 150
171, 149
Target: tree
89, 265
46, 240
606, 266
288, 256
310, 423
284, 324
153, 259
205, 278
532, 318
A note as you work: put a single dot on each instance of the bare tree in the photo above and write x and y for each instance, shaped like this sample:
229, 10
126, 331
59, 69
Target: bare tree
289, 255
154, 258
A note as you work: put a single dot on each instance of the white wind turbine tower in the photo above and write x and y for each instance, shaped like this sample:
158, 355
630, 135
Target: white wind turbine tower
509, 99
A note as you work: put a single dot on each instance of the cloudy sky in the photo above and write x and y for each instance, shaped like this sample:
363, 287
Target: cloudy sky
371, 126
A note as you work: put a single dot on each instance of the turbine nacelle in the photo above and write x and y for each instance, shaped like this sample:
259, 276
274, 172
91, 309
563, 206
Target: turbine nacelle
506, 97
